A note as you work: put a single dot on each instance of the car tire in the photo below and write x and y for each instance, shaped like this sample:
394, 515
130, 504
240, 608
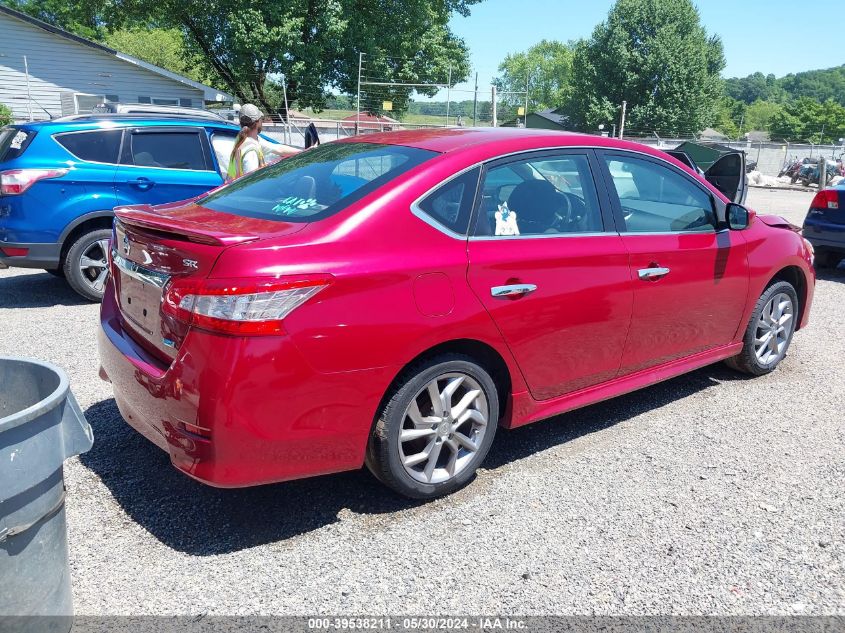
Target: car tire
88, 281
827, 259
769, 332
440, 453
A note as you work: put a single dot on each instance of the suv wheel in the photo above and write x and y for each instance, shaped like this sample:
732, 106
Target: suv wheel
436, 429
827, 259
769, 332
86, 265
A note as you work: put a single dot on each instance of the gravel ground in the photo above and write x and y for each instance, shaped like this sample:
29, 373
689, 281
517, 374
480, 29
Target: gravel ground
707, 494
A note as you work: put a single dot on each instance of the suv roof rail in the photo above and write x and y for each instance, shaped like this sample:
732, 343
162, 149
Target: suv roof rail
112, 107
142, 115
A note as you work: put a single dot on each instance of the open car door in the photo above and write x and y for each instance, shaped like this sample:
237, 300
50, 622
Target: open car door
722, 166
728, 176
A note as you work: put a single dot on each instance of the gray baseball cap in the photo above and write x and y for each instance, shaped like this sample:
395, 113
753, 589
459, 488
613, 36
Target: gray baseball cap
250, 112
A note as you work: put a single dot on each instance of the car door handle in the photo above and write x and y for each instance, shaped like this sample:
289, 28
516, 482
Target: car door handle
653, 273
513, 290
141, 183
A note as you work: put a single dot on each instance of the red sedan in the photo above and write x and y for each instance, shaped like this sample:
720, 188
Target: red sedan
393, 299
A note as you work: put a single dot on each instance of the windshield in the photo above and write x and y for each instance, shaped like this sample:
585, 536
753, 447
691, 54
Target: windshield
13, 142
316, 183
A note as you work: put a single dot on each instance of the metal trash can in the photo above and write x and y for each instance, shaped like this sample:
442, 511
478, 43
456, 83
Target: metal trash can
41, 425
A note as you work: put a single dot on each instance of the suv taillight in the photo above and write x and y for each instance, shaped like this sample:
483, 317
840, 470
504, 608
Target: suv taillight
239, 306
15, 181
826, 199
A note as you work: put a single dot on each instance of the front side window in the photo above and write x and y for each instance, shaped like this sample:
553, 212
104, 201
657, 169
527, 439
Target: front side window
315, 184
451, 204
656, 199
101, 146
169, 150
544, 195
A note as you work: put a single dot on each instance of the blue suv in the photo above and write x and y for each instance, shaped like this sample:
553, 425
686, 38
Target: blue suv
60, 180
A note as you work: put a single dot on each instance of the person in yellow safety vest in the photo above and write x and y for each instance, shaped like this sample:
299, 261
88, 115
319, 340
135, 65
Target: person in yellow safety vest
247, 154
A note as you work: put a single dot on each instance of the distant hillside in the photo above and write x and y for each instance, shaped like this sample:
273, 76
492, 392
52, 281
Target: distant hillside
816, 84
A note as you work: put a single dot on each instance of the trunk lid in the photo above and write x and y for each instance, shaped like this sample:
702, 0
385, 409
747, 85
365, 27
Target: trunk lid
153, 245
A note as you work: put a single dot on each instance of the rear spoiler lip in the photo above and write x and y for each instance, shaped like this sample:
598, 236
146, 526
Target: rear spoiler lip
145, 217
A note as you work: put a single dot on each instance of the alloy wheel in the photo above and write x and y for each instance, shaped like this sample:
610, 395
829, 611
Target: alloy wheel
774, 329
443, 428
94, 265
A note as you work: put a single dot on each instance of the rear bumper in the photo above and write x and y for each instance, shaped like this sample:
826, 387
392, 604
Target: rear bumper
47, 256
825, 235
268, 415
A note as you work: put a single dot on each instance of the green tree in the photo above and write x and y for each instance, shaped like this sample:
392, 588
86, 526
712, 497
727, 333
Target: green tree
730, 114
546, 68
821, 85
5, 115
163, 47
80, 17
315, 44
655, 55
759, 115
805, 120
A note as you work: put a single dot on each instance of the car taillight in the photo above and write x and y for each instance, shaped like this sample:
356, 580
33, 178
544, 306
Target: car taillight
239, 306
826, 199
15, 181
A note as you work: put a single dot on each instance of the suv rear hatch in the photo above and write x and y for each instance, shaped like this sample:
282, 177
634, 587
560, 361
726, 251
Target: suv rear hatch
155, 248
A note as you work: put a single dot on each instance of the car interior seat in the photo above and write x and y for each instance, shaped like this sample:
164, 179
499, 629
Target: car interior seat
535, 203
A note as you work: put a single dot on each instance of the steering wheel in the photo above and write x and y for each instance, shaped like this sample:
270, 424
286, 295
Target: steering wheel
564, 220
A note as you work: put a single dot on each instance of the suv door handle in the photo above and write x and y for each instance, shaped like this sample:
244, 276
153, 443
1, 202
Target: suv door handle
141, 183
513, 290
653, 273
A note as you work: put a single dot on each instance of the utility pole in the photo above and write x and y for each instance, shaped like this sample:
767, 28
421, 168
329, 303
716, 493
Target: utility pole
622, 122
494, 106
448, 94
28, 93
287, 110
358, 100
741, 123
527, 80
475, 103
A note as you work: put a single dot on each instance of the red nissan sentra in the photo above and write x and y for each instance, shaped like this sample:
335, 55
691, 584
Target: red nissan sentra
393, 299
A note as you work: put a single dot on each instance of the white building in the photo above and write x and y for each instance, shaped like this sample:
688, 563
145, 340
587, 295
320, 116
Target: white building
47, 72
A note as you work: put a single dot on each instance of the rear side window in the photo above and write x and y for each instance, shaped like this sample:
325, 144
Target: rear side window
315, 184
170, 150
451, 204
13, 142
96, 147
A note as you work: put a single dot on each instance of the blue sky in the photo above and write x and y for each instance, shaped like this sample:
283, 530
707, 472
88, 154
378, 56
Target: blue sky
772, 36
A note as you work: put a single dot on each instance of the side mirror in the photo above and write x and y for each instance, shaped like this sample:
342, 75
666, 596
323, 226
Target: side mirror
738, 217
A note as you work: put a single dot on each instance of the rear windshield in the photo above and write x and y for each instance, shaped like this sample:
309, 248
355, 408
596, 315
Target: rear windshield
13, 142
316, 183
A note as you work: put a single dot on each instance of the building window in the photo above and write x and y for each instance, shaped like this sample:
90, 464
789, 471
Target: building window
186, 103
163, 101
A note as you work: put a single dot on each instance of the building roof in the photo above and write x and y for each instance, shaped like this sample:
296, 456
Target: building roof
550, 114
709, 134
370, 118
209, 93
